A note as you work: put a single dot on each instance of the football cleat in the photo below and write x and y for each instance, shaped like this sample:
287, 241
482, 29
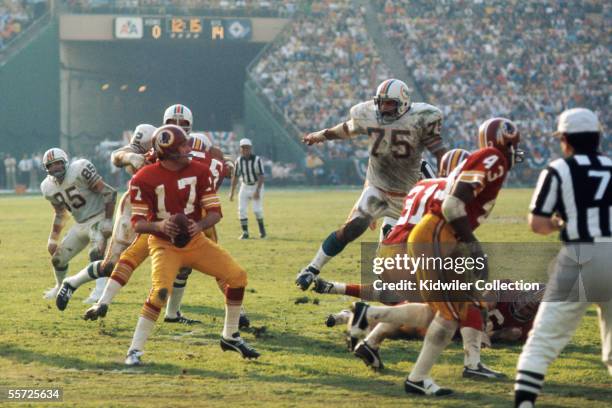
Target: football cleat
369, 355
133, 358
306, 277
238, 345
481, 371
181, 319
244, 235
51, 293
64, 295
244, 322
425, 387
338, 318
322, 286
97, 310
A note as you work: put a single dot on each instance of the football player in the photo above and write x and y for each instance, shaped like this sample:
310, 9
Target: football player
398, 132
472, 189
79, 189
177, 185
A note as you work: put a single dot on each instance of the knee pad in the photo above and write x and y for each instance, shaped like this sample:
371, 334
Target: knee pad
354, 228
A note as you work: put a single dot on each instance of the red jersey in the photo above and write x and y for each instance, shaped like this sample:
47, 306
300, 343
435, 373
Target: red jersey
216, 167
156, 193
426, 195
486, 170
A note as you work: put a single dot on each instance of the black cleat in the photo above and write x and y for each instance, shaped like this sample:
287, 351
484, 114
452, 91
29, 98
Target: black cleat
97, 310
244, 322
306, 277
238, 345
263, 235
338, 318
425, 387
482, 371
181, 319
322, 286
369, 355
244, 235
64, 295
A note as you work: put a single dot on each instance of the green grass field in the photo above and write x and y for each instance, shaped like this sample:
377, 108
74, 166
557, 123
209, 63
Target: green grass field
303, 362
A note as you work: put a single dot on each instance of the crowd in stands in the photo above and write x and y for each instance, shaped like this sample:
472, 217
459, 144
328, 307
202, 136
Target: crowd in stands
526, 60
253, 8
322, 65
16, 16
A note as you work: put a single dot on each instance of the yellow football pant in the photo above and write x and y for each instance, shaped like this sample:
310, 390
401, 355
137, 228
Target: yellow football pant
433, 237
201, 253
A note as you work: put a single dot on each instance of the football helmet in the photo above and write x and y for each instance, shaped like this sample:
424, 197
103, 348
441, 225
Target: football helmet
200, 143
395, 91
450, 160
142, 138
53, 155
502, 134
180, 115
167, 140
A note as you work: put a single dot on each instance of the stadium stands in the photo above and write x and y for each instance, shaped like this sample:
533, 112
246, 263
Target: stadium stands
16, 16
321, 66
528, 60
253, 8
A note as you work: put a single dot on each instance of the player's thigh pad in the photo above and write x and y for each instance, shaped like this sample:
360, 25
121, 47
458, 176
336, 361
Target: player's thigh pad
371, 203
211, 259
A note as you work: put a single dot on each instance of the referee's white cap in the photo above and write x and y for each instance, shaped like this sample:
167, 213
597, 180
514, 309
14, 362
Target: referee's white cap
245, 142
578, 120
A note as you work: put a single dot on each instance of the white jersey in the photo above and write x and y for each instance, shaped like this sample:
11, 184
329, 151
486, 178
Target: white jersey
141, 142
74, 192
396, 148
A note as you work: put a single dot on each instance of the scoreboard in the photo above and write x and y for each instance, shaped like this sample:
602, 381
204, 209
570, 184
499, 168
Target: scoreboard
182, 28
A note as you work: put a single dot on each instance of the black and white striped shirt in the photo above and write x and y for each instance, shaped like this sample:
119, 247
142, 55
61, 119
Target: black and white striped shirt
579, 189
249, 169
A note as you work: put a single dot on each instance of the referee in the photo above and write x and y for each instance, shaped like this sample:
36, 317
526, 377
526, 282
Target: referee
574, 196
250, 170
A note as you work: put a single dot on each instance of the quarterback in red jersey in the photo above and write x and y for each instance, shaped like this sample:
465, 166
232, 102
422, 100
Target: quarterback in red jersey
176, 185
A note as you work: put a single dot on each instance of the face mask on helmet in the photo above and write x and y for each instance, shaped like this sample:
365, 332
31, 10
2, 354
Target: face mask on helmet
179, 115
388, 109
183, 123
56, 169
392, 100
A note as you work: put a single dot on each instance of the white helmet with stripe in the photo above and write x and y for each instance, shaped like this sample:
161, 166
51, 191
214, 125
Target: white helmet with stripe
200, 144
142, 138
54, 155
179, 115
395, 91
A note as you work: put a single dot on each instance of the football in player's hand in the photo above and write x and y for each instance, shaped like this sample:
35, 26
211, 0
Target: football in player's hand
181, 239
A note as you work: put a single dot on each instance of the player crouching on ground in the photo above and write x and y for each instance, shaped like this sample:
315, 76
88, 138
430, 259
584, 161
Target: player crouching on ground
161, 194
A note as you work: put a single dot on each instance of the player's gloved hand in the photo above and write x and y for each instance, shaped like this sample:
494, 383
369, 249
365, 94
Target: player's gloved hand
169, 228
194, 228
477, 253
135, 160
314, 138
106, 227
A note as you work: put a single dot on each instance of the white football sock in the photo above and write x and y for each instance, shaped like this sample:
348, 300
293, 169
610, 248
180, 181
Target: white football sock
320, 259
379, 334
232, 318
439, 335
144, 327
83, 276
59, 276
471, 346
174, 302
412, 314
339, 288
110, 290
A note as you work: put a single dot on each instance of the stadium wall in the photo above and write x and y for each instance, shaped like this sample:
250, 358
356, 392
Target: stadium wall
29, 85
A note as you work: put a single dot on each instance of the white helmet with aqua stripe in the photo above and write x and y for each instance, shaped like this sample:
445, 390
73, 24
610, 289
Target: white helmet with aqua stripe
392, 100
179, 115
